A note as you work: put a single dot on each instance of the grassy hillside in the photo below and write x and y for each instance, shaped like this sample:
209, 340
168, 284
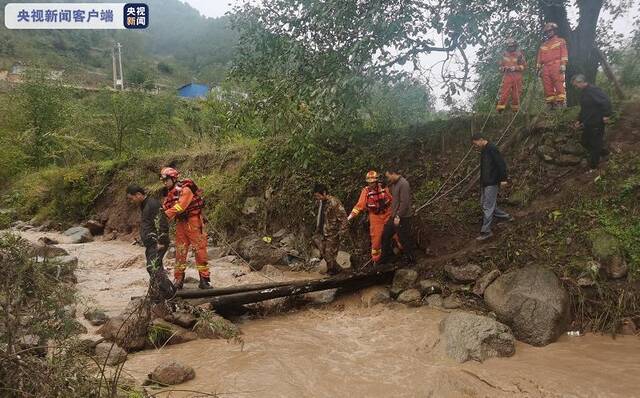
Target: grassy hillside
180, 45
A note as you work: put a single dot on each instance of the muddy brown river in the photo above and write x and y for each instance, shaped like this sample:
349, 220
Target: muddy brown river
345, 349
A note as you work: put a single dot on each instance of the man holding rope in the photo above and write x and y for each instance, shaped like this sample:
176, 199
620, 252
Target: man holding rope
493, 175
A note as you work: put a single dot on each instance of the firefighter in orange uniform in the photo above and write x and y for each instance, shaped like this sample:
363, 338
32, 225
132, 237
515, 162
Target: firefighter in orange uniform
184, 203
376, 201
512, 65
552, 63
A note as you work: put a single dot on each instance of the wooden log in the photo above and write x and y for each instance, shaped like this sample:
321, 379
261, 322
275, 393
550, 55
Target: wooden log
357, 280
199, 293
606, 68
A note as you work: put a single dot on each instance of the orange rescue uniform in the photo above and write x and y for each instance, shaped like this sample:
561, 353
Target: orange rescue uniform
513, 63
377, 203
189, 233
553, 58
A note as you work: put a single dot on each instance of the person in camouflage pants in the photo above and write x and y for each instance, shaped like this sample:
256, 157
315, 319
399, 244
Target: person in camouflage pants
330, 226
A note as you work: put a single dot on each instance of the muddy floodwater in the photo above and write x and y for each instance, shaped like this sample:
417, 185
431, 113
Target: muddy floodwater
344, 349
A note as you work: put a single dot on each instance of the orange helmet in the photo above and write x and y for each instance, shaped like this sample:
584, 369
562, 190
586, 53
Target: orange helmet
169, 172
372, 176
550, 26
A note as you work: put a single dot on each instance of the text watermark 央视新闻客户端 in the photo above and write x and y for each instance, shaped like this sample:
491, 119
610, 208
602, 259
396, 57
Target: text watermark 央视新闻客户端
76, 16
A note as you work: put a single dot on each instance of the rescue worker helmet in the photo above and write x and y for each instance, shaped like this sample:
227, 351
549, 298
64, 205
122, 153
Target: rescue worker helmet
169, 172
372, 176
550, 26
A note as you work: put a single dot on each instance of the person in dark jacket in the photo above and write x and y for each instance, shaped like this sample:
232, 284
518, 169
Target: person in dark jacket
493, 175
595, 110
399, 222
154, 234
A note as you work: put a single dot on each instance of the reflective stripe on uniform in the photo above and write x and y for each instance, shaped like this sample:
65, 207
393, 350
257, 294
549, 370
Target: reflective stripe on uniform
551, 98
178, 208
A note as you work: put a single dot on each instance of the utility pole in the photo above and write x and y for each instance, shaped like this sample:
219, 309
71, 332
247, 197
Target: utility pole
120, 61
113, 59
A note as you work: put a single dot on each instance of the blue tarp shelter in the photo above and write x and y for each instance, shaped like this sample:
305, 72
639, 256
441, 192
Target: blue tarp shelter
193, 90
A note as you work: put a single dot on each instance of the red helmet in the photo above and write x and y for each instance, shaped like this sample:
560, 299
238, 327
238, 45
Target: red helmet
169, 172
372, 176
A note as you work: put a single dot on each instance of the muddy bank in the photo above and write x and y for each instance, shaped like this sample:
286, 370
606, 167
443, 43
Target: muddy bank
343, 349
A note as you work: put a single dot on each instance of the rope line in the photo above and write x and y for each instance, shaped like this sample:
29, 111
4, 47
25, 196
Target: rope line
437, 196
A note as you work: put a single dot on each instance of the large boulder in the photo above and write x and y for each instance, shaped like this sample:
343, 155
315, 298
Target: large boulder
213, 326
40, 249
260, 253
452, 302
429, 286
79, 235
434, 300
172, 373
344, 260
375, 295
466, 336
411, 297
129, 329
95, 227
484, 282
463, 273
110, 354
606, 248
183, 319
96, 317
533, 302
63, 267
163, 333
215, 253
403, 279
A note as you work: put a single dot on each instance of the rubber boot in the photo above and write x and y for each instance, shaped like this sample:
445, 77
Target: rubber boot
204, 283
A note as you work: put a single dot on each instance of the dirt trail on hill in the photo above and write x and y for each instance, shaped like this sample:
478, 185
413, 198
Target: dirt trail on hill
346, 350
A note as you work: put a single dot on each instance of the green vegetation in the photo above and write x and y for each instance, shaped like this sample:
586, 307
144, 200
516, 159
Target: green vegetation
179, 45
31, 313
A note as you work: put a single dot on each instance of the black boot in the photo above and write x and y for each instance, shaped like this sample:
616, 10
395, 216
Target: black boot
204, 283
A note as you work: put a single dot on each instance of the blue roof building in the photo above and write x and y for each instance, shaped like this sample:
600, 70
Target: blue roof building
193, 91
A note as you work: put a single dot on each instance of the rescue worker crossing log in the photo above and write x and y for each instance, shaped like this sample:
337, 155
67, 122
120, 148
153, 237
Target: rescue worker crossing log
552, 63
375, 200
331, 226
512, 66
184, 204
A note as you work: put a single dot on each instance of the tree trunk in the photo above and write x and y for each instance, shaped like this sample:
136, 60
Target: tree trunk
240, 295
583, 58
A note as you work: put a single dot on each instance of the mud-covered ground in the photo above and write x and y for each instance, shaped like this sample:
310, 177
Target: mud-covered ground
347, 349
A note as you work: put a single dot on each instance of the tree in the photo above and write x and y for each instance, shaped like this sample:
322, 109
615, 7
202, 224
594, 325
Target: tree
130, 115
40, 109
320, 44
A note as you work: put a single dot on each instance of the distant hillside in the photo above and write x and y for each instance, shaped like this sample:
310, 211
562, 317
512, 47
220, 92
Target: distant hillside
180, 45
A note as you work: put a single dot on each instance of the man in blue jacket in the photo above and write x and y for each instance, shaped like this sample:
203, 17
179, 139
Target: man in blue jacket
493, 175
